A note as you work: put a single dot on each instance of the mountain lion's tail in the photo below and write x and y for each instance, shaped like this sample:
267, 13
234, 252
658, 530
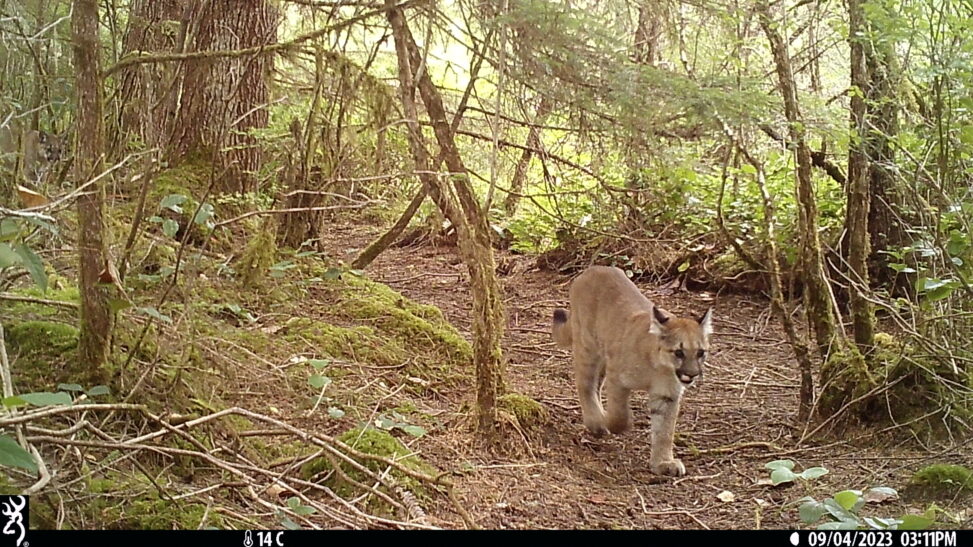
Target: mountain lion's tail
561, 329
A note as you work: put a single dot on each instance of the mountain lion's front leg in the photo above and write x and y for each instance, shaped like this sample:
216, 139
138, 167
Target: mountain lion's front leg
665, 410
587, 371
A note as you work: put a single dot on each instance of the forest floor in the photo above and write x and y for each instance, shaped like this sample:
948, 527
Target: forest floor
739, 417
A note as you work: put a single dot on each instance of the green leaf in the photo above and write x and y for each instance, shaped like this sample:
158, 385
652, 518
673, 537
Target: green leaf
414, 430
12, 455
318, 381
814, 473
847, 498
98, 390
289, 524
70, 387
336, 412
916, 522
13, 401
118, 304
170, 227
173, 202
293, 502
683, 267
34, 265
8, 257
46, 398
840, 525
811, 511
319, 364
777, 464
782, 475
155, 314
837, 510
204, 214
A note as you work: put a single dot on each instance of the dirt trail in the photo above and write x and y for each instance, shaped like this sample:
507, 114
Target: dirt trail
737, 419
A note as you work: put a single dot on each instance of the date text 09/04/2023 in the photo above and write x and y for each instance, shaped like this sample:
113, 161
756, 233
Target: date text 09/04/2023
880, 538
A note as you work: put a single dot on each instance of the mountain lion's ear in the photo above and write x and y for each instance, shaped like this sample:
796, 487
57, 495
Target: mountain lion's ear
659, 318
706, 321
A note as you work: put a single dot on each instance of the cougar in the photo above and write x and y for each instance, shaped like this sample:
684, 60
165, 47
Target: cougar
29, 155
622, 340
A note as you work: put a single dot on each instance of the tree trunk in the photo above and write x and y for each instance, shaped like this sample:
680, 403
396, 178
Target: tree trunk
96, 318
648, 34
222, 99
817, 290
458, 204
520, 170
145, 90
857, 189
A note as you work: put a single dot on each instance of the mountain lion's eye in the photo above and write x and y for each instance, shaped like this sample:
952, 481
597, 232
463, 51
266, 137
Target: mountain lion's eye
679, 354
700, 354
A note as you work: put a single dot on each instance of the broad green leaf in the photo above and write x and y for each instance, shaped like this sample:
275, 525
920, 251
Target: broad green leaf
9, 229
879, 523
98, 390
304, 510
414, 430
13, 401
782, 475
811, 511
170, 227
8, 257
915, 522
155, 314
847, 498
46, 398
318, 381
173, 202
204, 214
840, 525
814, 473
837, 510
336, 412
12, 455
118, 304
683, 267
384, 423
289, 524
34, 265
777, 464
319, 364
70, 387
293, 502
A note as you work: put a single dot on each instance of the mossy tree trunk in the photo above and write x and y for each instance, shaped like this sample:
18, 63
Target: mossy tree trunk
96, 317
459, 205
857, 189
817, 290
222, 99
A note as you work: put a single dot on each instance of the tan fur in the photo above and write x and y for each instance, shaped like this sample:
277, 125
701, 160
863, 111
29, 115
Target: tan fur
622, 342
29, 156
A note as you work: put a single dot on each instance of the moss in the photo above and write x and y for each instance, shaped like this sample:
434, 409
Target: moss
914, 386
528, 412
45, 352
941, 481
159, 514
68, 293
258, 256
352, 343
419, 328
379, 443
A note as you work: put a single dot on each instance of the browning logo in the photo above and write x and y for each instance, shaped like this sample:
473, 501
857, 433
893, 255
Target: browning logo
14, 510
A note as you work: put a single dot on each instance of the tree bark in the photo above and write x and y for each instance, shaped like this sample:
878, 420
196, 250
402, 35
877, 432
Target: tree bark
146, 105
96, 318
648, 33
520, 170
222, 99
817, 291
458, 204
857, 216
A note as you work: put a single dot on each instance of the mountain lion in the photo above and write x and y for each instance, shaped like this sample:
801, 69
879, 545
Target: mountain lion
622, 340
29, 155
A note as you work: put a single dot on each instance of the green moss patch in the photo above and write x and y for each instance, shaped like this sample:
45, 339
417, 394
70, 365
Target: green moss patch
856, 385
44, 351
379, 443
437, 348
527, 411
941, 481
